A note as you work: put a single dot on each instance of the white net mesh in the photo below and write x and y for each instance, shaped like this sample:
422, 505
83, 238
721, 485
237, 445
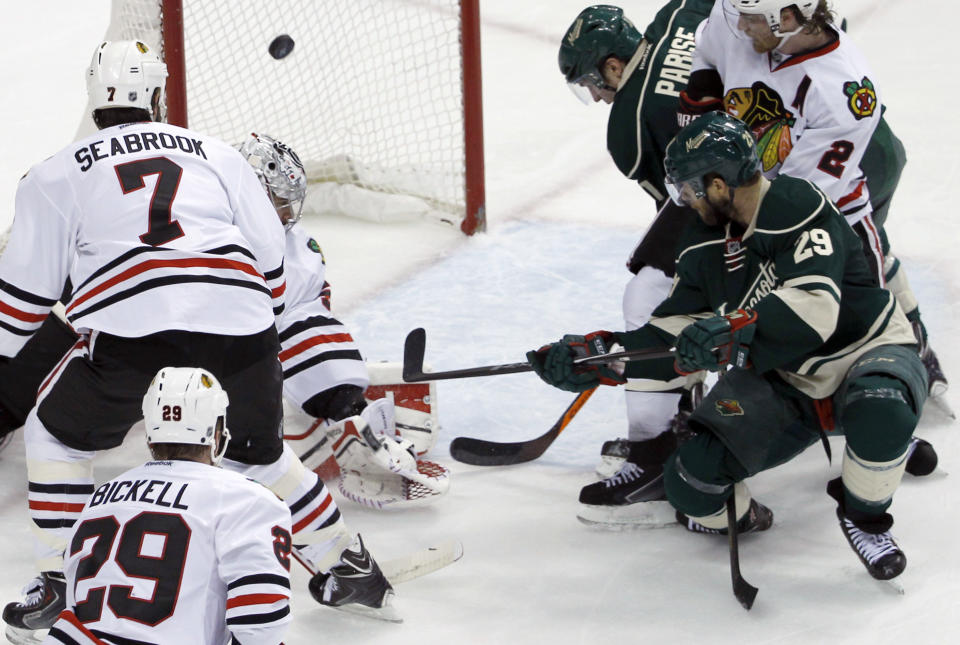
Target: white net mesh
370, 96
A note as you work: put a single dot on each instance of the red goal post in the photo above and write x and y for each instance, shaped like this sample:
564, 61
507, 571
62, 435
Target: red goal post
380, 98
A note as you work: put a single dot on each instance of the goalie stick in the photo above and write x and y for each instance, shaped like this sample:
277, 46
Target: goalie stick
414, 348
410, 566
743, 590
479, 452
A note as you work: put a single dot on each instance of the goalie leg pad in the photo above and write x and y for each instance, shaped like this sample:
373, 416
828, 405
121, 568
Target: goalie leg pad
415, 404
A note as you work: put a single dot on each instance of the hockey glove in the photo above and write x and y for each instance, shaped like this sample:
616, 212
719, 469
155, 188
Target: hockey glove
711, 343
554, 362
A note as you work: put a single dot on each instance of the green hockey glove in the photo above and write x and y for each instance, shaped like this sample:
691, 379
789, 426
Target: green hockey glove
554, 362
711, 343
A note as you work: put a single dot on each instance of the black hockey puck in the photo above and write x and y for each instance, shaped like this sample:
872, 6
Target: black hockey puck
281, 46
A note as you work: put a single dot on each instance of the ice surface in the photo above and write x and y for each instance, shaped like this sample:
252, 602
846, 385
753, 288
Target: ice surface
561, 223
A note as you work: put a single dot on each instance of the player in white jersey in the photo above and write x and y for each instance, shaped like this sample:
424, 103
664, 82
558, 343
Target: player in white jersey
810, 98
174, 256
177, 549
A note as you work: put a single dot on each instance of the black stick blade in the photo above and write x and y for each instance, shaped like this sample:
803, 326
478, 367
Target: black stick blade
414, 348
743, 590
478, 452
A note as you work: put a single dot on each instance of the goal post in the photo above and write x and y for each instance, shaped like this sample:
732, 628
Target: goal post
381, 99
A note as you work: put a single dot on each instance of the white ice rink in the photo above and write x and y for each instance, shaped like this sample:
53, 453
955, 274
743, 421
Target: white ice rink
562, 221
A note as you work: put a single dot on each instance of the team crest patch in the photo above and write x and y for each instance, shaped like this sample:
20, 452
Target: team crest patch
729, 408
313, 246
762, 109
862, 98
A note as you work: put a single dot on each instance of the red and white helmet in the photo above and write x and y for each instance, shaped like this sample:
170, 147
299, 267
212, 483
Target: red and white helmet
186, 405
125, 73
770, 9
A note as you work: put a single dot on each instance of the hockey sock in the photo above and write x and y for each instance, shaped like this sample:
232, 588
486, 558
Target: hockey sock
698, 476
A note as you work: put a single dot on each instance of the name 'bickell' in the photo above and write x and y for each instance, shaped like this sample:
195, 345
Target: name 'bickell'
150, 491
136, 142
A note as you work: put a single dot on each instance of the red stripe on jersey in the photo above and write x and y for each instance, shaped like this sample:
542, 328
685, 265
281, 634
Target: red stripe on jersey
69, 616
21, 315
255, 599
313, 341
185, 263
63, 361
796, 60
876, 247
54, 506
279, 290
846, 199
299, 526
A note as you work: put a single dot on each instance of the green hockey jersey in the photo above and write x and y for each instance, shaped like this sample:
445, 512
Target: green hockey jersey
643, 117
799, 266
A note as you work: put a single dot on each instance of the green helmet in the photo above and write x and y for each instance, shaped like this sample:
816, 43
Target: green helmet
714, 143
598, 32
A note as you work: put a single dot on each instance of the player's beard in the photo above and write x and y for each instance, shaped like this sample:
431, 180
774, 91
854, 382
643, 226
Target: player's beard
716, 212
765, 43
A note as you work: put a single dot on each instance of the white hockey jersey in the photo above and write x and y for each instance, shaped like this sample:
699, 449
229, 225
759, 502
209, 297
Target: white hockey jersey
813, 114
317, 351
157, 228
178, 552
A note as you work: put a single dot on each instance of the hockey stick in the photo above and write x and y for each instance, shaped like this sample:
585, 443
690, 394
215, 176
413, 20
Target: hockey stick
743, 590
406, 567
479, 452
414, 348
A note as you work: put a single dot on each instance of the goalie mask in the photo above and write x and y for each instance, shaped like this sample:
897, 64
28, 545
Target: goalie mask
598, 32
186, 405
126, 73
714, 143
280, 171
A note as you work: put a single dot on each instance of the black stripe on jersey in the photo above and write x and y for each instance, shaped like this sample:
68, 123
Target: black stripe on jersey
259, 619
279, 310
333, 519
304, 325
260, 579
16, 330
112, 264
53, 524
276, 273
853, 211
146, 285
70, 489
350, 354
118, 640
308, 497
26, 296
61, 636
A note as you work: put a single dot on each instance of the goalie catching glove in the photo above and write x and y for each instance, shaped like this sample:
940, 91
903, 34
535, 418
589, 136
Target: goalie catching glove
711, 343
554, 362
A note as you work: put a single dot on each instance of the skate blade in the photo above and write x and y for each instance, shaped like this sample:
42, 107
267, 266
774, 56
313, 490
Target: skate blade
388, 613
642, 515
19, 636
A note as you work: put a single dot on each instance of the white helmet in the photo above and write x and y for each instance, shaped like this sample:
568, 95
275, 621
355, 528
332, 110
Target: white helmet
281, 173
186, 405
125, 73
770, 9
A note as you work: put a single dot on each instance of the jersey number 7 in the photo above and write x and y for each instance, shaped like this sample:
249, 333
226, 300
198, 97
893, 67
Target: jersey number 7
162, 228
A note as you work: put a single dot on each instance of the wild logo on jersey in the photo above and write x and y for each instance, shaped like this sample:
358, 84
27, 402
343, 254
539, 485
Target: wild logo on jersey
761, 108
862, 98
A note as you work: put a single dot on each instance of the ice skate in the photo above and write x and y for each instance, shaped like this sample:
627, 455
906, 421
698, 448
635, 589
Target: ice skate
877, 551
758, 518
356, 585
44, 598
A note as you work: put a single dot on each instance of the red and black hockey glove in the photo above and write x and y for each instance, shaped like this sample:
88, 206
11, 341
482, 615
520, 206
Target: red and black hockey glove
554, 362
711, 343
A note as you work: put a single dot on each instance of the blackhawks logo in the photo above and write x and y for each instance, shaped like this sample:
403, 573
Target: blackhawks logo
861, 98
729, 408
762, 109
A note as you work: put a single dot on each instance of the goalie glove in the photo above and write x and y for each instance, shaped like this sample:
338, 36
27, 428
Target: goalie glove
711, 343
554, 364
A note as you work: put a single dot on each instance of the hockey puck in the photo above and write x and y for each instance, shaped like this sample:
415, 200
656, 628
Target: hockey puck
281, 46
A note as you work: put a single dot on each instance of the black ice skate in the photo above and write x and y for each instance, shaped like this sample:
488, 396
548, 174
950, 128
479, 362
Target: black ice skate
937, 382
877, 551
921, 458
758, 518
356, 584
634, 495
44, 598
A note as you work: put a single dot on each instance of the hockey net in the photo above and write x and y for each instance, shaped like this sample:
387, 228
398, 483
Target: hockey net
380, 98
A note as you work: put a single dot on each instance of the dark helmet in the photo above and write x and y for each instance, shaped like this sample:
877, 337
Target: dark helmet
598, 32
714, 143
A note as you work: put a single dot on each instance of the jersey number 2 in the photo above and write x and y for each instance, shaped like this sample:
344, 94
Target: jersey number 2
164, 570
162, 228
